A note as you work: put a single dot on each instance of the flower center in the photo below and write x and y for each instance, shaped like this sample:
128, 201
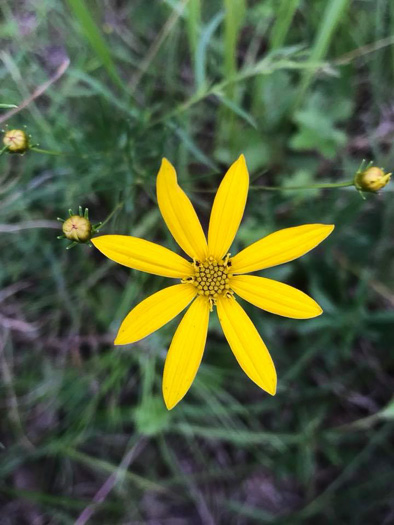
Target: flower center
212, 278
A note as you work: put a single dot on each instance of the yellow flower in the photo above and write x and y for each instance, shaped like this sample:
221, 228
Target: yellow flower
211, 279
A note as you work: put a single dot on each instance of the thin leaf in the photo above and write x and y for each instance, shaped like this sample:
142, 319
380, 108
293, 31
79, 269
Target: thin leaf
94, 37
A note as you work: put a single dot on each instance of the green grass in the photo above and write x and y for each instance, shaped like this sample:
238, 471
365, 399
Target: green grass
306, 93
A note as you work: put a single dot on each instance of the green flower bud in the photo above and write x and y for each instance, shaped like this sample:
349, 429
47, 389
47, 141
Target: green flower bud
16, 141
77, 229
372, 179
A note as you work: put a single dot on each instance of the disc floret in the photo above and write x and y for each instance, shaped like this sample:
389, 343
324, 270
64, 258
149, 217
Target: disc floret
212, 277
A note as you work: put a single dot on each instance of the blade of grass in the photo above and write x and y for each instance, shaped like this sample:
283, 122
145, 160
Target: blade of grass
193, 24
95, 39
234, 13
264, 67
101, 495
236, 108
101, 89
247, 438
191, 146
156, 45
29, 99
201, 51
107, 467
284, 17
330, 20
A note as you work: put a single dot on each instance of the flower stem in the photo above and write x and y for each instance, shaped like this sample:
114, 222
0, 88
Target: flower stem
47, 152
322, 185
117, 207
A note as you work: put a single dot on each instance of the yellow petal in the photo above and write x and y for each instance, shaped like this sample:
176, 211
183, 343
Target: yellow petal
185, 353
228, 208
143, 255
154, 312
179, 214
280, 247
246, 344
277, 298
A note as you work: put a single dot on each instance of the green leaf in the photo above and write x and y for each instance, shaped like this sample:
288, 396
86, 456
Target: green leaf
317, 126
8, 106
151, 416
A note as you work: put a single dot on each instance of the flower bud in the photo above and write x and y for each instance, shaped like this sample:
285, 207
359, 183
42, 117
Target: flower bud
372, 179
77, 229
16, 141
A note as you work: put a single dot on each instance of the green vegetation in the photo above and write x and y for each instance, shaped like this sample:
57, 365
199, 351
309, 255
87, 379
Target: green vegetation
304, 90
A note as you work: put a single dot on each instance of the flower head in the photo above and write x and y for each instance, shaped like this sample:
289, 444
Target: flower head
16, 141
372, 179
77, 229
211, 279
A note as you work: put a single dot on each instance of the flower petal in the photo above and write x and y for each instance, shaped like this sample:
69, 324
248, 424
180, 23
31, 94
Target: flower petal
246, 344
154, 312
228, 208
185, 353
275, 297
179, 214
143, 255
280, 247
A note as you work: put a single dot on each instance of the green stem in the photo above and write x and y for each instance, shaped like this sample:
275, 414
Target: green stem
3, 150
323, 185
267, 65
117, 207
47, 152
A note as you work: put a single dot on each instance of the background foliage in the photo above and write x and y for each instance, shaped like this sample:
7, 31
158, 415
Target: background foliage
304, 89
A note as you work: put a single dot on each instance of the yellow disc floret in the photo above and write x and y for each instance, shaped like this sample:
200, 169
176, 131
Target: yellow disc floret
212, 278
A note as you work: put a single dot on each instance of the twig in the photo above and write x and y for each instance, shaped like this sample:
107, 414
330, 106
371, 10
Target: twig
363, 50
12, 289
377, 286
16, 324
28, 225
60, 343
12, 401
37, 92
109, 484
155, 47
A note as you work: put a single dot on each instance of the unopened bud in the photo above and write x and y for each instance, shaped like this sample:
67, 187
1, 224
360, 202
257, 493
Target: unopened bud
372, 179
77, 229
16, 141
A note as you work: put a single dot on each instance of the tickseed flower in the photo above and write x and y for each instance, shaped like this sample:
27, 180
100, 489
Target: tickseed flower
16, 141
372, 179
211, 279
